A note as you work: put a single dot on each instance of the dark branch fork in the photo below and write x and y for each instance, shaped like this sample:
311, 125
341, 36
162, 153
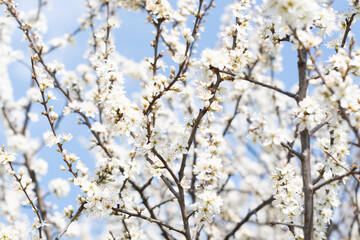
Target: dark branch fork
247, 217
289, 94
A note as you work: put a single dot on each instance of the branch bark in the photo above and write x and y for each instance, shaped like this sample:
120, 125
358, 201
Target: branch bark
305, 151
247, 217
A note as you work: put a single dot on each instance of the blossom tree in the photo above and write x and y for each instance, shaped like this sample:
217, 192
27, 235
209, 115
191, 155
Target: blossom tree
212, 145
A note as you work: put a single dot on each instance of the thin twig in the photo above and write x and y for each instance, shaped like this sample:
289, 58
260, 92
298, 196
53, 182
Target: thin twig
138, 215
72, 219
247, 217
289, 94
286, 224
337, 178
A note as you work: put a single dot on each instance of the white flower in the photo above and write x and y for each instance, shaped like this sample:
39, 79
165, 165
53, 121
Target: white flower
98, 127
59, 187
287, 193
308, 114
208, 167
308, 39
114, 21
10, 232
88, 108
179, 58
34, 117
71, 157
43, 79
50, 139
207, 206
69, 211
53, 116
161, 8
204, 93
34, 94
6, 157
67, 137
187, 34
295, 13
100, 34
216, 107
81, 167
216, 58
37, 224
70, 79
40, 166
185, 183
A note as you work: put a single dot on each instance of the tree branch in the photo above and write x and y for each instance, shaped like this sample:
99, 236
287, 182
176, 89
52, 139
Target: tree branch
138, 215
247, 217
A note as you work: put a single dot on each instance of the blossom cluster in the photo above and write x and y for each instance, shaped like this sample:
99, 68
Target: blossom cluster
287, 193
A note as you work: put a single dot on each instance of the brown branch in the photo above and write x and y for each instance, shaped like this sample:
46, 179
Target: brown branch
11, 125
247, 217
151, 220
40, 198
71, 35
34, 208
36, 190
348, 28
342, 166
51, 122
197, 122
342, 110
291, 150
127, 231
155, 44
163, 202
146, 203
289, 94
182, 66
198, 20
108, 27
305, 150
72, 219
233, 116
337, 178
166, 165
318, 127
290, 225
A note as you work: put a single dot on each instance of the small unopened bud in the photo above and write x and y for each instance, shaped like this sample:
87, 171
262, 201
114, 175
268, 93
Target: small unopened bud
63, 168
173, 70
53, 116
28, 182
